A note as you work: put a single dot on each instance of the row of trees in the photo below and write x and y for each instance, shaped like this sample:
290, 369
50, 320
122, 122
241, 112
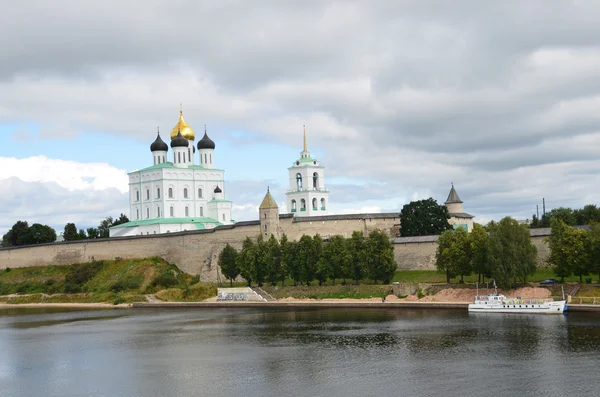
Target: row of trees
583, 216
574, 251
23, 234
71, 232
310, 259
502, 251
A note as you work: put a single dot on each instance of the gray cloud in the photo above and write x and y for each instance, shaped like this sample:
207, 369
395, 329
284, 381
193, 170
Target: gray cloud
500, 98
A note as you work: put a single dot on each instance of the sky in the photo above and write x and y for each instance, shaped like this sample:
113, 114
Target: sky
399, 98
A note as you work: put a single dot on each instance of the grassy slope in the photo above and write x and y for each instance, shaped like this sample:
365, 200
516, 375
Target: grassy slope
136, 278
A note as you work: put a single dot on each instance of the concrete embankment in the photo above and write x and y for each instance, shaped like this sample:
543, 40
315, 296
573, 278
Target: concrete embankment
329, 305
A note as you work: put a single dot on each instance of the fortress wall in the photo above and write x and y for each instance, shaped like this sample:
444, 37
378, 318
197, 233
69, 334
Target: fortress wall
196, 252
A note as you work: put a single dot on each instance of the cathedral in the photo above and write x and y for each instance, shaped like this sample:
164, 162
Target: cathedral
186, 193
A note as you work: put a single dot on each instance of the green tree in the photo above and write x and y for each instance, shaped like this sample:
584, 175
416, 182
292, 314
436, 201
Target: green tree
423, 218
355, 268
479, 246
274, 268
512, 256
38, 234
92, 232
261, 261
577, 246
461, 253
104, 227
558, 257
293, 266
567, 215
70, 232
449, 253
82, 234
246, 260
12, 237
307, 258
335, 256
587, 215
594, 248
120, 220
229, 264
322, 268
285, 257
380, 262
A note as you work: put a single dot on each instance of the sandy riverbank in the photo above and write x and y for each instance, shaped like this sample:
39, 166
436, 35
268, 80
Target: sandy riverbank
65, 305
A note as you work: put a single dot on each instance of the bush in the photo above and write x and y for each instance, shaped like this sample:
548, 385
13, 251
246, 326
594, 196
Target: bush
127, 284
71, 288
165, 280
195, 279
7, 269
81, 273
118, 300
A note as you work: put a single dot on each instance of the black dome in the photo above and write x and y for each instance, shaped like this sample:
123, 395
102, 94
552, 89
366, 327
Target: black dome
179, 141
159, 145
206, 142
218, 190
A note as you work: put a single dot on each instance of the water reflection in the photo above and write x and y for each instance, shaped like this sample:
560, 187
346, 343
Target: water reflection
305, 352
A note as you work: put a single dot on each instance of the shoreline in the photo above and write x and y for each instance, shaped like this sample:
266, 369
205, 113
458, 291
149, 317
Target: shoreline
350, 304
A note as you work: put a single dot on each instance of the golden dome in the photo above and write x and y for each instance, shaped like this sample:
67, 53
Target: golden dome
186, 130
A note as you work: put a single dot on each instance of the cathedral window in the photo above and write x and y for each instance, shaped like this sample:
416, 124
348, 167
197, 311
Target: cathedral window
147, 194
137, 214
185, 193
293, 205
200, 193
179, 157
189, 155
187, 212
299, 181
170, 192
302, 205
158, 212
223, 217
157, 192
147, 213
315, 181
314, 203
210, 157
201, 211
137, 195
323, 204
172, 212
163, 159
205, 158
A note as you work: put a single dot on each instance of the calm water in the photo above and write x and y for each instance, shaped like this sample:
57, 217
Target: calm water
297, 353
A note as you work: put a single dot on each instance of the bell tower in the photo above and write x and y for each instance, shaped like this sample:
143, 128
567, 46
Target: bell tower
269, 216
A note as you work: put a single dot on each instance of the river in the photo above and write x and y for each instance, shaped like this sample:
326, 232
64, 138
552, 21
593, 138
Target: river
316, 352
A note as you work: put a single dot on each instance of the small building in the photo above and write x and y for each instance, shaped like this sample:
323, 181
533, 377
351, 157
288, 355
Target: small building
458, 217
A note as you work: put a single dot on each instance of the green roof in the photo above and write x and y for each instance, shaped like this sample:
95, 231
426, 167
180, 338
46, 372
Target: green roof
220, 201
170, 165
198, 221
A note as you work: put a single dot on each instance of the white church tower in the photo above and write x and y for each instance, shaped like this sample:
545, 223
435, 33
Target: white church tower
307, 195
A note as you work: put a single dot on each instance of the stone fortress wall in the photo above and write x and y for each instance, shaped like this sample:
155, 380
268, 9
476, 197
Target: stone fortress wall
195, 252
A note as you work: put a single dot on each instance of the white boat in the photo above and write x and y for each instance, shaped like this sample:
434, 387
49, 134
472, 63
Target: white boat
498, 303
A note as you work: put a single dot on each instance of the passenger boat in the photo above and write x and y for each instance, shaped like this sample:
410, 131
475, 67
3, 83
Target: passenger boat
498, 303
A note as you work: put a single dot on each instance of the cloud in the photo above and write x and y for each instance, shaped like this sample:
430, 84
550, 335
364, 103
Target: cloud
400, 98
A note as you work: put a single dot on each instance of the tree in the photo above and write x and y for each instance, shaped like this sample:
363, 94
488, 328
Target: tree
356, 252
511, 254
594, 248
92, 232
70, 232
460, 252
37, 234
479, 246
12, 237
322, 268
228, 263
307, 258
120, 220
448, 254
577, 250
292, 262
380, 262
423, 218
558, 255
335, 256
82, 234
587, 215
246, 260
104, 227
274, 268
261, 258
567, 215
284, 248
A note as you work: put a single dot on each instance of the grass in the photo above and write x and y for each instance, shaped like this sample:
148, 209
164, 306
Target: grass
433, 276
74, 298
329, 292
193, 293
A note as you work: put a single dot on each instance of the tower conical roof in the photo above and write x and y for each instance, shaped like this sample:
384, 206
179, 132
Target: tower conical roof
268, 202
453, 197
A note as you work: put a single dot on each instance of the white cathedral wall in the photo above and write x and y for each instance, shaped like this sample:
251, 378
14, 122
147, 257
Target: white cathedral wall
147, 184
